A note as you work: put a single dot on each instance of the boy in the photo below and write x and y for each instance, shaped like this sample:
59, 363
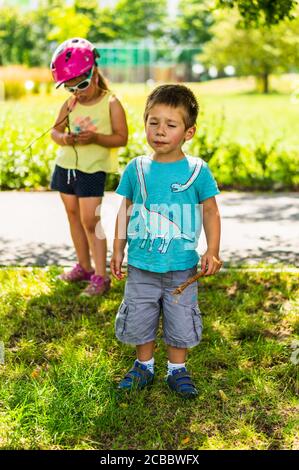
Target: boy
162, 193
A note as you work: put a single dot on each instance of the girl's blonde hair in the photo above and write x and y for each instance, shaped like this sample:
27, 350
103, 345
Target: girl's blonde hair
102, 81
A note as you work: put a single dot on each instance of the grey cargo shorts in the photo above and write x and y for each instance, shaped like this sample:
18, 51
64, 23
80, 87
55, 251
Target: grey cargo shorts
147, 294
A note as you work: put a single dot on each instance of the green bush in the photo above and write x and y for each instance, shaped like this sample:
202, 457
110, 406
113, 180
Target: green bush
245, 167
22, 167
14, 90
255, 166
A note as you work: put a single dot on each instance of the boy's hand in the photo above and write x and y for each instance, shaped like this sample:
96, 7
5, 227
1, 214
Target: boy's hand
116, 264
210, 263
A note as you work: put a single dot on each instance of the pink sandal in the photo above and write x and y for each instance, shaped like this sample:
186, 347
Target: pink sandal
98, 285
77, 274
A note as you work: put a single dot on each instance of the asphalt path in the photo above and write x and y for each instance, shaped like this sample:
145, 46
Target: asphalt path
256, 227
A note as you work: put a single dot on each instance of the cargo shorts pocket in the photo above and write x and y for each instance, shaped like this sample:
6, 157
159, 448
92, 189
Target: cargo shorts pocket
121, 320
197, 322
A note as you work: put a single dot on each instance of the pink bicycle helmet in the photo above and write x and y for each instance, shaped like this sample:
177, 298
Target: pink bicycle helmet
71, 59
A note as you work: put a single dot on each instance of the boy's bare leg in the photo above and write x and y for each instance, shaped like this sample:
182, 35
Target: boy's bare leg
145, 351
176, 355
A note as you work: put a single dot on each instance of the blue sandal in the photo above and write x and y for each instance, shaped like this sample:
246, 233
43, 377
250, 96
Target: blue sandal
180, 382
137, 378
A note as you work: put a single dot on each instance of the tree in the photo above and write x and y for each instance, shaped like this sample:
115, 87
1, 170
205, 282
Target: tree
191, 30
67, 23
11, 28
138, 19
193, 22
40, 27
91, 10
263, 12
24, 35
259, 52
31, 36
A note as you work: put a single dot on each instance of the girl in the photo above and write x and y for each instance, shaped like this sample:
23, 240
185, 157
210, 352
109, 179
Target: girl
90, 124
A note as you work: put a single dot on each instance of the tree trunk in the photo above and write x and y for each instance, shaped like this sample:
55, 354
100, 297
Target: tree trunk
262, 83
265, 83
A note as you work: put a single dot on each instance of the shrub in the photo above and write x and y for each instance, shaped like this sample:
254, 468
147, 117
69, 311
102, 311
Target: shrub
14, 90
236, 166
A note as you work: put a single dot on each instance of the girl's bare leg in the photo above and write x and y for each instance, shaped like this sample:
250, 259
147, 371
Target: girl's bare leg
89, 207
71, 204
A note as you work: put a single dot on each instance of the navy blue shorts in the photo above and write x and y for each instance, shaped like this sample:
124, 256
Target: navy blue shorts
78, 182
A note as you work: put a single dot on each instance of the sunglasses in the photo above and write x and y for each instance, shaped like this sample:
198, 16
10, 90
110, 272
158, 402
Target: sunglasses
81, 85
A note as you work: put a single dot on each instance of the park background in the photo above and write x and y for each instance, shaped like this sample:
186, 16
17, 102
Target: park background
61, 359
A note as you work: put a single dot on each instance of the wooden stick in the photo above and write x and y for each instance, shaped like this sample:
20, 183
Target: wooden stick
187, 283
192, 279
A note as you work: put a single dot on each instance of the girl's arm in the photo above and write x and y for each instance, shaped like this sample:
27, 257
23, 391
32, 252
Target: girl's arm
119, 136
120, 238
210, 262
58, 133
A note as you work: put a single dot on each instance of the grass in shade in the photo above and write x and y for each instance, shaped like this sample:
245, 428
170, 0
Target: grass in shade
62, 364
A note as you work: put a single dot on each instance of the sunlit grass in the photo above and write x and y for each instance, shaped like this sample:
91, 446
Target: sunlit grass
62, 364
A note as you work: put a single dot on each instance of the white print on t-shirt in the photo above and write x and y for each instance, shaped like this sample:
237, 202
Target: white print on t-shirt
156, 224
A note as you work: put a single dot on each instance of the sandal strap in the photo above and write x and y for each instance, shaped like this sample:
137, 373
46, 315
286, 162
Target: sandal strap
182, 383
139, 374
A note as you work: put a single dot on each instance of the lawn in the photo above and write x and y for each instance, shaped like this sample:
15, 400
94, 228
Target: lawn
62, 364
248, 116
62, 361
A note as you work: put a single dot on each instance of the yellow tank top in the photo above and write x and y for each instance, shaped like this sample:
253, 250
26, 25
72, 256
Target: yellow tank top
90, 158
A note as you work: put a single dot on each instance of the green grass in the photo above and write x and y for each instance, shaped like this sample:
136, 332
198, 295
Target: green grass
255, 118
249, 117
62, 364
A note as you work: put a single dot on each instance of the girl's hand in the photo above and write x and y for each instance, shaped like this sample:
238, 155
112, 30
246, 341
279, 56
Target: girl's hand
116, 264
69, 139
210, 263
86, 137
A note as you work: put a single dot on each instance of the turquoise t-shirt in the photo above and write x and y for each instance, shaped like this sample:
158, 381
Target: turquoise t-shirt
165, 222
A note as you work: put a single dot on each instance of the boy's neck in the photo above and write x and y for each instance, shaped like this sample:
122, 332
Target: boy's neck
169, 157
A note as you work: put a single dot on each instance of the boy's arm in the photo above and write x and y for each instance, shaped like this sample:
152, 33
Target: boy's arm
120, 238
210, 262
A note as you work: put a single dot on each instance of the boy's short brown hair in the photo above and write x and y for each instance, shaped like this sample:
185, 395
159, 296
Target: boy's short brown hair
174, 96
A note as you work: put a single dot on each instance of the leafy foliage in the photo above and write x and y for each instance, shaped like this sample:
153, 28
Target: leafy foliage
262, 11
259, 52
192, 24
259, 162
30, 37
